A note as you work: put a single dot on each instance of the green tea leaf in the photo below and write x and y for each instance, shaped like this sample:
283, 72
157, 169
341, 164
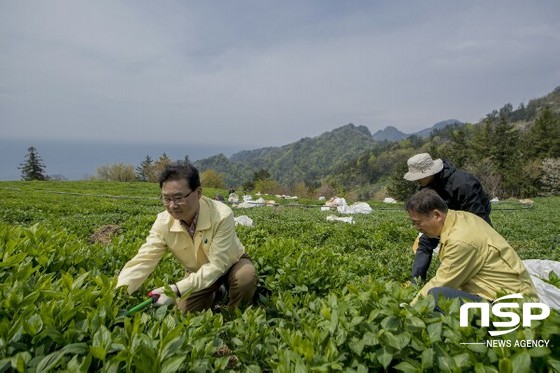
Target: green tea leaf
172, 364
33, 325
408, 367
427, 358
505, 365
434, 332
462, 360
384, 357
539, 351
50, 361
521, 361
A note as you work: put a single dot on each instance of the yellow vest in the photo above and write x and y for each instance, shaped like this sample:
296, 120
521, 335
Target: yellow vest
213, 250
476, 259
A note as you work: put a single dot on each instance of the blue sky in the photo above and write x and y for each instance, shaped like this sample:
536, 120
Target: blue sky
265, 73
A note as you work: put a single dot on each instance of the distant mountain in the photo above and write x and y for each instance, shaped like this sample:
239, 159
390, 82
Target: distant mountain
308, 159
392, 134
438, 126
389, 133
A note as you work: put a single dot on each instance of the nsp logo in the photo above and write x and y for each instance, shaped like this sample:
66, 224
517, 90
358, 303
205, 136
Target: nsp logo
500, 310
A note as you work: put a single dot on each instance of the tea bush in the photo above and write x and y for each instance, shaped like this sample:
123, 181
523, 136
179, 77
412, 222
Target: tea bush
333, 302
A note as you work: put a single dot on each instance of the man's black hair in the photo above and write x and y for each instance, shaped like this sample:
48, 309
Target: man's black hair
425, 201
180, 170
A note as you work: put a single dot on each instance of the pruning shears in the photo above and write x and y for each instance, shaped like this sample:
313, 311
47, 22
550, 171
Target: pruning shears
119, 320
139, 307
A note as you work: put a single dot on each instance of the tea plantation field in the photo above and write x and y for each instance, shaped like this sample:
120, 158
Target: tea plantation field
330, 291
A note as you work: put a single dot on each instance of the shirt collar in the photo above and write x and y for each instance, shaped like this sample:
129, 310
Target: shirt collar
191, 228
447, 225
204, 216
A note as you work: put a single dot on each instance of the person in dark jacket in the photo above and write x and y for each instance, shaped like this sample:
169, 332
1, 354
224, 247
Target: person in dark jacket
459, 189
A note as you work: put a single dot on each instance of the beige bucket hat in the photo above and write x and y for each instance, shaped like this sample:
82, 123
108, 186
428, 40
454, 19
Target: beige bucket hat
421, 166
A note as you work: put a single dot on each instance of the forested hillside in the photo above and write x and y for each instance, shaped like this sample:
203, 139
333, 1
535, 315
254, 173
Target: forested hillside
307, 160
515, 152
390, 133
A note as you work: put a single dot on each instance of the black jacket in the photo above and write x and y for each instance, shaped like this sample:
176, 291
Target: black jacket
461, 191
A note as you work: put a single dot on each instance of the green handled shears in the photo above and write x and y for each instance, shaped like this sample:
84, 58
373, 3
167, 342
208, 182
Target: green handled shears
139, 307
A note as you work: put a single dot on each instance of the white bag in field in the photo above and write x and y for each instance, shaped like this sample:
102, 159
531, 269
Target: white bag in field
539, 270
243, 220
337, 218
355, 208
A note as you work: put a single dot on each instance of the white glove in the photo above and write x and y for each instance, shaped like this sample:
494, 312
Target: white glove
162, 298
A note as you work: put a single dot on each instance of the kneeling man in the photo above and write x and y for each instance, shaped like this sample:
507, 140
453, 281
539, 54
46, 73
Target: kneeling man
200, 233
476, 263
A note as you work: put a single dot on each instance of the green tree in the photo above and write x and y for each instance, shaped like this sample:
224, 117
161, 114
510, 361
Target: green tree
544, 136
506, 111
33, 167
267, 186
458, 150
520, 113
261, 174
398, 187
144, 171
481, 140
300, 190
159, 165
212, 179
505, 155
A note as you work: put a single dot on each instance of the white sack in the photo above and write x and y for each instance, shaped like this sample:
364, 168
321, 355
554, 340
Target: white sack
246, 205
243, 220
335, 201
355, 208
336, 218
539, 271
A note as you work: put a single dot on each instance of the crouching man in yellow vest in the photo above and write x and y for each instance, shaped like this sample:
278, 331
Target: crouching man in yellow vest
200, 233
476, 262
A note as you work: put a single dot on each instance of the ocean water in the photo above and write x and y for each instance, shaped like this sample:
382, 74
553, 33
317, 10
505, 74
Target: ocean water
80, 160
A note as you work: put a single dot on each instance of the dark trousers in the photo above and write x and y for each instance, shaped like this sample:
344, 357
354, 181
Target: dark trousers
240, 281
451, 293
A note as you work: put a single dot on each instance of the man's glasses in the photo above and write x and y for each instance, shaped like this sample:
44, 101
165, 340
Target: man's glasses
177, 200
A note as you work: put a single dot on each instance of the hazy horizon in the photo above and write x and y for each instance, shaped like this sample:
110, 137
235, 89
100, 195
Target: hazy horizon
78, 160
